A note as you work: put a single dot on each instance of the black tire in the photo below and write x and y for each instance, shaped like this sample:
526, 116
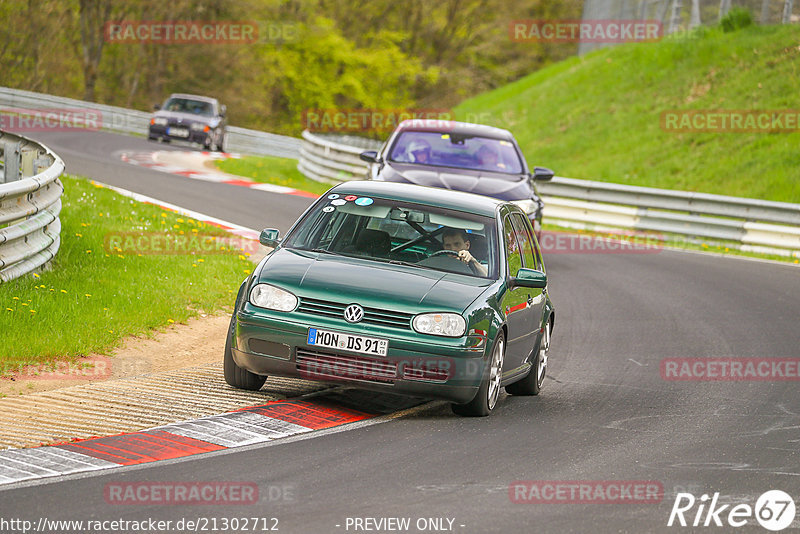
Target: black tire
235, 375
532, 383
489, 391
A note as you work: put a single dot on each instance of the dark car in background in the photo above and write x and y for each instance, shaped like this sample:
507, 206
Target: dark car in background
460, 156
191, 118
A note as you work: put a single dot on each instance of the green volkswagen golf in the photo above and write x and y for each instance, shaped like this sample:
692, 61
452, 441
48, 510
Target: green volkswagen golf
398, 288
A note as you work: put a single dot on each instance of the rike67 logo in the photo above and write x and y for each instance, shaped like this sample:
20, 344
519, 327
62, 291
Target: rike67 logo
774, 510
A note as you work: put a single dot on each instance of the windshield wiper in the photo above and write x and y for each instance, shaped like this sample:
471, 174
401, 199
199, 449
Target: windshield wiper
324, 251
407, 263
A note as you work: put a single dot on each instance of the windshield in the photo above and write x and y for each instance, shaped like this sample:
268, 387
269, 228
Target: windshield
185, 105
443, 149
390, 231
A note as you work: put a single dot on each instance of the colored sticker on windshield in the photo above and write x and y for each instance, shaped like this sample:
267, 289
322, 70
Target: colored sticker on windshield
350, 197
364, 201
338, 202
328, 209
333, 196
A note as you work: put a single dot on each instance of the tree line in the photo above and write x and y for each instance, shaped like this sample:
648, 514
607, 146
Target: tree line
311, 54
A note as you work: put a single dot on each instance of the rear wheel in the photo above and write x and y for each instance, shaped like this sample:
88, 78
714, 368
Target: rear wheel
532, 384
235, 375
489, 391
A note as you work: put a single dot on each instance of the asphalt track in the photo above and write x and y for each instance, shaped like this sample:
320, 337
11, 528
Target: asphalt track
605, 412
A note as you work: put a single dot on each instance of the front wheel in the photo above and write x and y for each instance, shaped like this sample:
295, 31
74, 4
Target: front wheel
489, 391
532, 384
235, 375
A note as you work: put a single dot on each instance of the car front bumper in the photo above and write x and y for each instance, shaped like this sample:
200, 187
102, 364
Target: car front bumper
415, 364
195, 136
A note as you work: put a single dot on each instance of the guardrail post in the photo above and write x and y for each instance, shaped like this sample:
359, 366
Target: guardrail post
11, 162
28, 157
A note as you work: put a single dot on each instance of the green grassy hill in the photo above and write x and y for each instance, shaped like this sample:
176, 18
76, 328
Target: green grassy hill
598, 116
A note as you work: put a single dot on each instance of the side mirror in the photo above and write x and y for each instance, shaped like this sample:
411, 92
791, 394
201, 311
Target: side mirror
370, 156
156, 107
269, 237
529, 278
223, 110
542, 174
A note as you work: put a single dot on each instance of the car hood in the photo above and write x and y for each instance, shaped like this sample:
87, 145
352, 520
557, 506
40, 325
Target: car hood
188, 118
369, 283
501, 186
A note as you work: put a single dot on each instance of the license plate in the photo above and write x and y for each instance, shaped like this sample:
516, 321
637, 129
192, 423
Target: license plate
178, 132
341, 341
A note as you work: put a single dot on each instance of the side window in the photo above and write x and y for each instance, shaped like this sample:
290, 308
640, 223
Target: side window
513, 255
526, 243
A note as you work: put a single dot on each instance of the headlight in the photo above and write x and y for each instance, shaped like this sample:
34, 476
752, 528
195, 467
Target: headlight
199, 126
440, 324
527, 205
272, 298
161, 121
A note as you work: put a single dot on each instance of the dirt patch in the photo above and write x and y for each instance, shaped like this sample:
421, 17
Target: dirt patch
200, 341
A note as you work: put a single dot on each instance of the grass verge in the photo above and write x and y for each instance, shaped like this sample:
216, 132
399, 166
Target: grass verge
96, 293
272, 170
599, 116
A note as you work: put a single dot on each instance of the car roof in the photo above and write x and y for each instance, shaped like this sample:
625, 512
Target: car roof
419, 194
194, 97
465, 128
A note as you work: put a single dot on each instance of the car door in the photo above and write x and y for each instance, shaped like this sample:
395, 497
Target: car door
515, 302
530, 260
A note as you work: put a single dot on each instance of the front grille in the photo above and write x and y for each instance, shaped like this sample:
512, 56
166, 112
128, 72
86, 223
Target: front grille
322, 365
373, 316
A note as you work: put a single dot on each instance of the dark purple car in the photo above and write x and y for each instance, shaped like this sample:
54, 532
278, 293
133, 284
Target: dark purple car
460, 156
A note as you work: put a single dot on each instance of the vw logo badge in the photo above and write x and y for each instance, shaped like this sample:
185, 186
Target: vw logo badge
353, 313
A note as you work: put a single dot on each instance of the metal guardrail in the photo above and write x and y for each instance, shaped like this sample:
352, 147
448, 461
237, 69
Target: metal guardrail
30, 202
755, 225
133, 122
334, 158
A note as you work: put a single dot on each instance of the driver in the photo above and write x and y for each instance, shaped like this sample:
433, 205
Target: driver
457, 240
488, 158
419, 151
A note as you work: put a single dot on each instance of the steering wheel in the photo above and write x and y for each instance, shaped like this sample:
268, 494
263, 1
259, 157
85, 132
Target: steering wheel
444, 252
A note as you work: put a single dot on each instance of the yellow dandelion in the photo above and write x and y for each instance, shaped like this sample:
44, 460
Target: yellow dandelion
120, 256
180, 220
163, 214
9, 309
170, 321
194, 230
51, 289
175, 226
105, 309
78, 235
24, 303
100, 214
194, 265
14, 298
33, 311
42, 286
201, 260
35, 275
86, 295
241, 257
88, 251
63, 290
